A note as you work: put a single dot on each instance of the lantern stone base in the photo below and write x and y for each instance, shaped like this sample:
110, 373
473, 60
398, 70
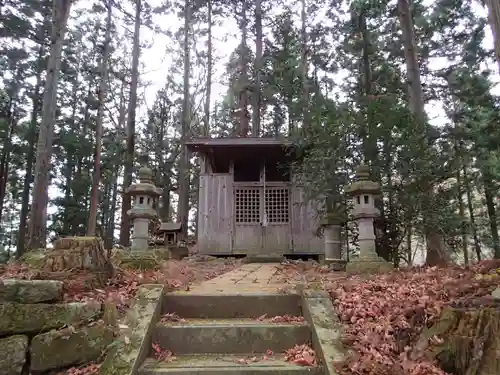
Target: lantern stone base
141, 260
372, 264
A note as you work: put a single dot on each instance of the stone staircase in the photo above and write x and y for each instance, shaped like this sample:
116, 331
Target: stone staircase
220, 334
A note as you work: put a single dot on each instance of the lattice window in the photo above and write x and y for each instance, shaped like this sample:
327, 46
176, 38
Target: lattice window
247, 202
277, 205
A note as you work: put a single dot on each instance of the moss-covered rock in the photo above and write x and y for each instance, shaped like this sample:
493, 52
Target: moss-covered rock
30, 291
140, 260
13, 351
78, 253
34, 258
463, 341
136, 330
57, 349
31, 318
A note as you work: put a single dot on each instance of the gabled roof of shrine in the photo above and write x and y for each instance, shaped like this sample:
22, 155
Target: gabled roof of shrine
198, 144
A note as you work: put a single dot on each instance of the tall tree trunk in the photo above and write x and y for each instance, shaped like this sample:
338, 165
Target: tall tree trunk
5, 158
163, 176
436, 252
38, 217
206, 119
30, 157
492, 215
110, 225
103, 85
68, 225
472, 217
256, 94
461, 213
132, 104
105, 212
494, 16
415, 92
304, 66
243, 79
409, 249
460, 195
369, 147
183, 209
74, 188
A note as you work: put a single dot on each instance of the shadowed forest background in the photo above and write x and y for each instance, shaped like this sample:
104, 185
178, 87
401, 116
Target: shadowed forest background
406, 86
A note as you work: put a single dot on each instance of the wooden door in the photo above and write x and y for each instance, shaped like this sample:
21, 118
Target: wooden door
276, 228
247, 219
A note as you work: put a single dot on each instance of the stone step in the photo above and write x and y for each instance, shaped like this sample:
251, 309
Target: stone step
215, 364
271, 258
231, 305
230, 336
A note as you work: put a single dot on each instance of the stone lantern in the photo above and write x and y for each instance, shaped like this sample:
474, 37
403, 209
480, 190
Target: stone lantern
363, 192
144, 196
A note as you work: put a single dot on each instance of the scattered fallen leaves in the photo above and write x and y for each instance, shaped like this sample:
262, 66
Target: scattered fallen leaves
245, 361
90, 369
281, 318
171, 317
121, 289
384, 315
163, 355
302, 355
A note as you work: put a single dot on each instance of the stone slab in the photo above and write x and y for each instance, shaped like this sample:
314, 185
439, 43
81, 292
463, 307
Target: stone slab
41, 317
14, 350
31, 291
249, 277
58, 349
233, 337
227, 365
326, 328
231, 304
136, 331
252, 289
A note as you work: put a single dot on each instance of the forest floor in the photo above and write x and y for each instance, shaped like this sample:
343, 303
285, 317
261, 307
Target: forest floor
383, 315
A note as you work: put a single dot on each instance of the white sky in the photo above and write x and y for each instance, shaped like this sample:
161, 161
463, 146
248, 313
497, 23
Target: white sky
157, 63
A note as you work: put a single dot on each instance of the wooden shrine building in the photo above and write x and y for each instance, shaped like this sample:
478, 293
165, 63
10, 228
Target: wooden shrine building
248, 204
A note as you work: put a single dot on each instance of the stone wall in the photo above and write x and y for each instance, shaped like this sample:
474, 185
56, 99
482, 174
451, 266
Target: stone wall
40, 333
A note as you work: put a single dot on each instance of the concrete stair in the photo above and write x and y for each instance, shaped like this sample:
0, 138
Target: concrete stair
220, 334
264, 258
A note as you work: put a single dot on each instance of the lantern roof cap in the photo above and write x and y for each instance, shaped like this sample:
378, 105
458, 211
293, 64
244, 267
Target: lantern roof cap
362, 183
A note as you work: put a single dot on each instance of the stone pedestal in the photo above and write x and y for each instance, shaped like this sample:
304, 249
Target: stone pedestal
363, 192
333, 243
332, 228
140, 235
